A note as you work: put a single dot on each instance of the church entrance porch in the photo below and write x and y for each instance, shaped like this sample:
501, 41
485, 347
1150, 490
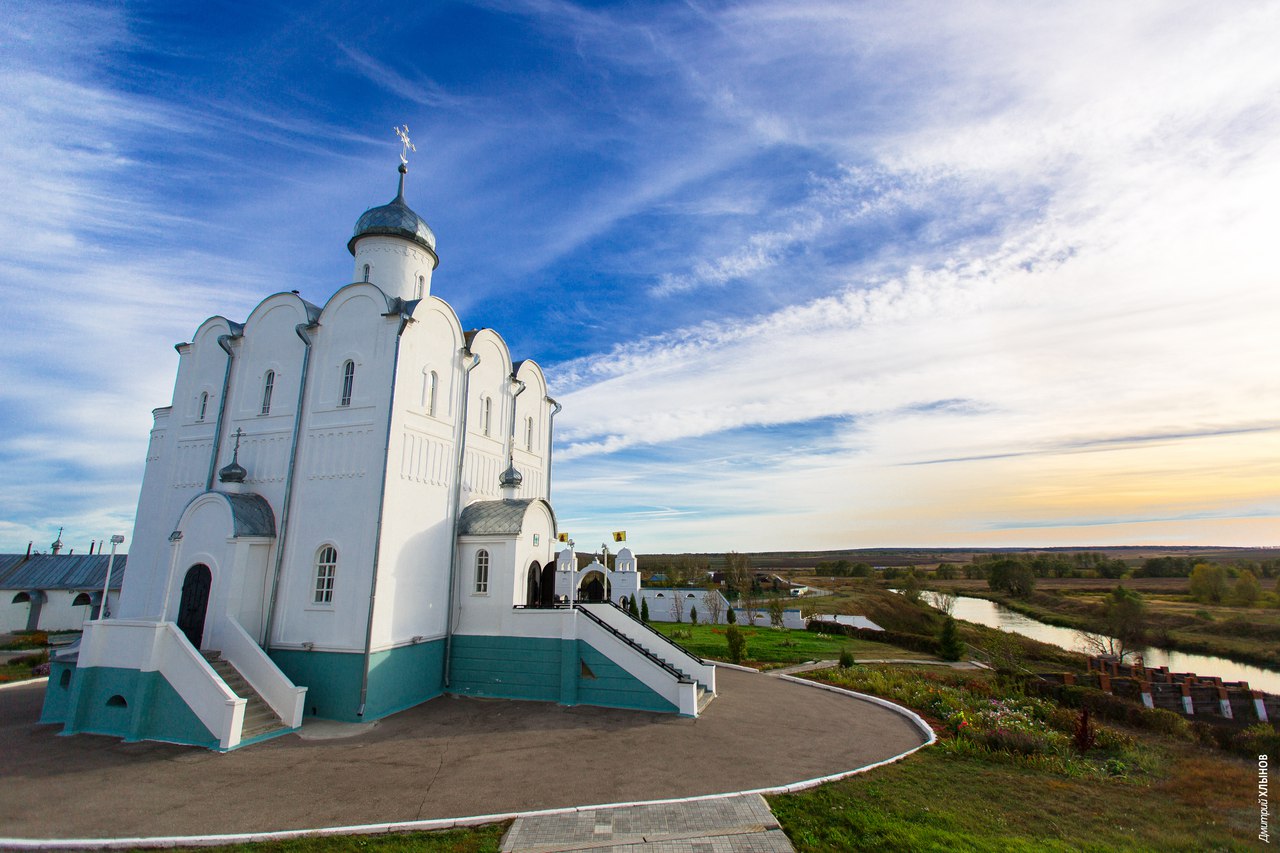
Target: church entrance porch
194, 603
592, 587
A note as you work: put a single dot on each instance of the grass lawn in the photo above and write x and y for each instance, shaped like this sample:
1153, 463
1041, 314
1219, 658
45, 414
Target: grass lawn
773, 647
481, 839
1006, 775
933, 801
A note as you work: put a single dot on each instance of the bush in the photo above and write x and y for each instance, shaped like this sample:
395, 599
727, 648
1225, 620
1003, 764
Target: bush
731, 617
846, 659
949, 645
1085, 736
737, 643
693, 615
644, 610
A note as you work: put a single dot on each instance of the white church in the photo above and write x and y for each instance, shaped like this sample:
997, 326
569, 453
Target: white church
345, 513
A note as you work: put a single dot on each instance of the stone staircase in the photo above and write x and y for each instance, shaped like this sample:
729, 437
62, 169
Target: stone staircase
259, 719
704, 698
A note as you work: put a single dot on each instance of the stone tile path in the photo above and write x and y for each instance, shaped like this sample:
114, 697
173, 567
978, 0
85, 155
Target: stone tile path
727, 825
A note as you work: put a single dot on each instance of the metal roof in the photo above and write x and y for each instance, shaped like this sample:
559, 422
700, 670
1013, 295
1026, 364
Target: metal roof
59, 571
394, 219
252, 515
495, 518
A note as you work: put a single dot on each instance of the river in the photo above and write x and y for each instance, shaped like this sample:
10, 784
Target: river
993, 615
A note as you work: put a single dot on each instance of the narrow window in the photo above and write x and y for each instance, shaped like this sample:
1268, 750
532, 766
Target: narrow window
366, 272
422, 285
488, 414
348, 382
267, 387
429, 382
326, 568
528, 433
204, 405
482, 572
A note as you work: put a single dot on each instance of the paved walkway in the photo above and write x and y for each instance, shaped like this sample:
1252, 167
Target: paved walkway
727, 825
450, 757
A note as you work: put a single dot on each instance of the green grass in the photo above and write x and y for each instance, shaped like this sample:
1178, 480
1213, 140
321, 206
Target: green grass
933, 801
1135, 790
480, 839
778, 646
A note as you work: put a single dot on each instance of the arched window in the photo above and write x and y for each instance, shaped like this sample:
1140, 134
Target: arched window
326, 569
487, 415
348, 382
482, 572
422, 286
268, 386
528, 433
204, 405
366, 272
429, 382
82, 600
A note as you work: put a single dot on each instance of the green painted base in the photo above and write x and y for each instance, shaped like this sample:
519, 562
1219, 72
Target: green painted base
571, 672
125, 703
398, 678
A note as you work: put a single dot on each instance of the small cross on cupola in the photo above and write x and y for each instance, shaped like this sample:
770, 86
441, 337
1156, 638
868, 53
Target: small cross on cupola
235, 472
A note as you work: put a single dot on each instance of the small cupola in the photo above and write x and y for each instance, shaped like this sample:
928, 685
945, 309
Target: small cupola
234, 472
393, 247
509, 482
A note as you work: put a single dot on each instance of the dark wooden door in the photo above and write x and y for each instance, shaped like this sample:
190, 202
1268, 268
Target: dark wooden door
549, 585
194, 603
533, 594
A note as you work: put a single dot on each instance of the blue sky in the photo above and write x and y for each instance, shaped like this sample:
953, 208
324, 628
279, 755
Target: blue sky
804, 274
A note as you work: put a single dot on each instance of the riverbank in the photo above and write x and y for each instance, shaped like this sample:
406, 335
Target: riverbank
1249, 635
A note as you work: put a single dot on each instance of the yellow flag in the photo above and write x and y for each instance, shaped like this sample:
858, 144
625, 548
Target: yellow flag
563, 537
619, 536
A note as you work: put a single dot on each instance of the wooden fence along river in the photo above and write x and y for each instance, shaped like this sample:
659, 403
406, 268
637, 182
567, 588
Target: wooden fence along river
1182, 692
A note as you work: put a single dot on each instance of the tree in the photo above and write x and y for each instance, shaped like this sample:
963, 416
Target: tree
731, 617
949, 645
1124, 624
644, 610
1208, 583
946, 571
693, 615
945, 600
1011, 576
713, 605
737, 571
677, 605
1247, 590
632, 609
737, 643
776, 612
911, 588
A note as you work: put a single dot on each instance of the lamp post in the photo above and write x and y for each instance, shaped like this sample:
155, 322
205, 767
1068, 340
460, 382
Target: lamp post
105, 611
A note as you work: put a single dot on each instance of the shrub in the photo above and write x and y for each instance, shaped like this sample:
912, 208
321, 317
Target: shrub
644, 610
1085, 737
846, 659
1258, 739
731, 617
949, 645
693, 615
737, 643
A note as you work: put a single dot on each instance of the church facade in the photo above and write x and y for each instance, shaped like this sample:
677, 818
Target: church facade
344, 513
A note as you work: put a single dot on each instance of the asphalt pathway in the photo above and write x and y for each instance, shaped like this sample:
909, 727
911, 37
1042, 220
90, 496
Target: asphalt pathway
450, 757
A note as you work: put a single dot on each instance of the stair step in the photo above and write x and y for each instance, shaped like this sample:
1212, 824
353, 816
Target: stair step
259, 718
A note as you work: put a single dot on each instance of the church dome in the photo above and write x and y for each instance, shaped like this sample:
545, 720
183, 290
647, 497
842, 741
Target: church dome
394, 219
